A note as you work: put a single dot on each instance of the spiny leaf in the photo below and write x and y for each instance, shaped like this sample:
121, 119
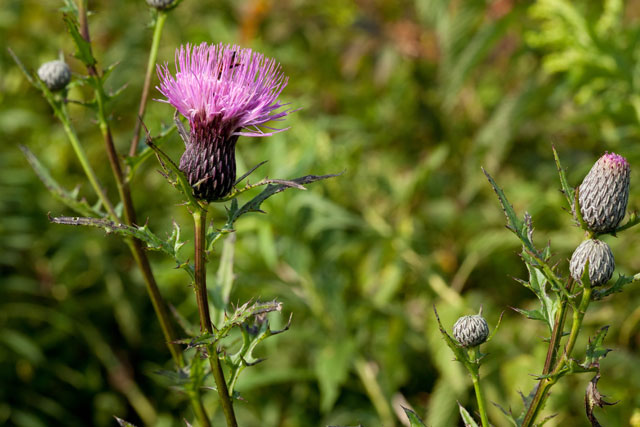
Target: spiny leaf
239, 317
123, 423
274, 187
495, 329
24, 70
595, 349
508, 415
414, 420
600, 293
83, 47
459, 352
181, 182
68, 198
252, 335
143, 234
466, 417
514, 224
567, 190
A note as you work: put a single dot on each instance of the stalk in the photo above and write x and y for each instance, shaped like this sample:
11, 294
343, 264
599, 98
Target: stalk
545, 384
200, 285
153, 55
475, 377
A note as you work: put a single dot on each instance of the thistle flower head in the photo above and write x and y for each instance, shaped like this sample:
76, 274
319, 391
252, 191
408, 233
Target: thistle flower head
55, 74
600, 258
471, 331
224, 92
604, 193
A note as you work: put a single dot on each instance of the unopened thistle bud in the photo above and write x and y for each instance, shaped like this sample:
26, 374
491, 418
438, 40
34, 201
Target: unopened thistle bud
600, 258
604, 193
55, 74
471, 331
225, 92
160, 4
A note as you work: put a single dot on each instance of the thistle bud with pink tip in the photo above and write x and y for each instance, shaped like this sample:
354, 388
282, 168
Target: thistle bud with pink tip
604, 193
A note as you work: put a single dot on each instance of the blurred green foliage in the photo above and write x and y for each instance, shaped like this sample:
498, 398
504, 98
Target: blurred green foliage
409, 98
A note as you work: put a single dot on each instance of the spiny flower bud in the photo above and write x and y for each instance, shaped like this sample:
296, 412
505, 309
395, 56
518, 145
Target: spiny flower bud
604, 193
471, 331
55, 74
601, 262
160, 4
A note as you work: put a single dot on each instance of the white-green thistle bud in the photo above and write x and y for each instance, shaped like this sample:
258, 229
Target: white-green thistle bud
471, 331
604, 193
160, 4
55, 74
601, 262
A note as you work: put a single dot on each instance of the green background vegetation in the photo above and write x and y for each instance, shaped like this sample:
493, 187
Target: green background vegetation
409, 99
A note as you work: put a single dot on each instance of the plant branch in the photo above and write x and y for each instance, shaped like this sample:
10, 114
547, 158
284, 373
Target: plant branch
475, 377
153, 55
542, 393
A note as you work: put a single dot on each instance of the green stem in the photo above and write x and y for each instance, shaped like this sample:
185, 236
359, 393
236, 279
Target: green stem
200, 285
475, 377
63, 116
545, 384
153, 55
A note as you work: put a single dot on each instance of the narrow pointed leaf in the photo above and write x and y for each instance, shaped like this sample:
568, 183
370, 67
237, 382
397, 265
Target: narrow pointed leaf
466, 417
68, 198
567, 190
414, 420
83, 47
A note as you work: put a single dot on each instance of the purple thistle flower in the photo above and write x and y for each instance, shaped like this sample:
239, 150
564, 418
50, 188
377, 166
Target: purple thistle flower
225, 92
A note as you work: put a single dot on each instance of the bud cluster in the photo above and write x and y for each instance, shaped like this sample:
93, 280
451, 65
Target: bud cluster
603, 197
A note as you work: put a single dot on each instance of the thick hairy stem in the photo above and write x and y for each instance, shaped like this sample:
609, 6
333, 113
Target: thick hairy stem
200, 219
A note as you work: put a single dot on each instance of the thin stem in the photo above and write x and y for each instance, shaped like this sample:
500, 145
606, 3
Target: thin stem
153, 55
475, 377
84, 161
546, 383
556, 335
200, 285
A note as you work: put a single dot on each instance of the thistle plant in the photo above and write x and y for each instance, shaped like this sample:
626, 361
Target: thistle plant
598, 206
224, 92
